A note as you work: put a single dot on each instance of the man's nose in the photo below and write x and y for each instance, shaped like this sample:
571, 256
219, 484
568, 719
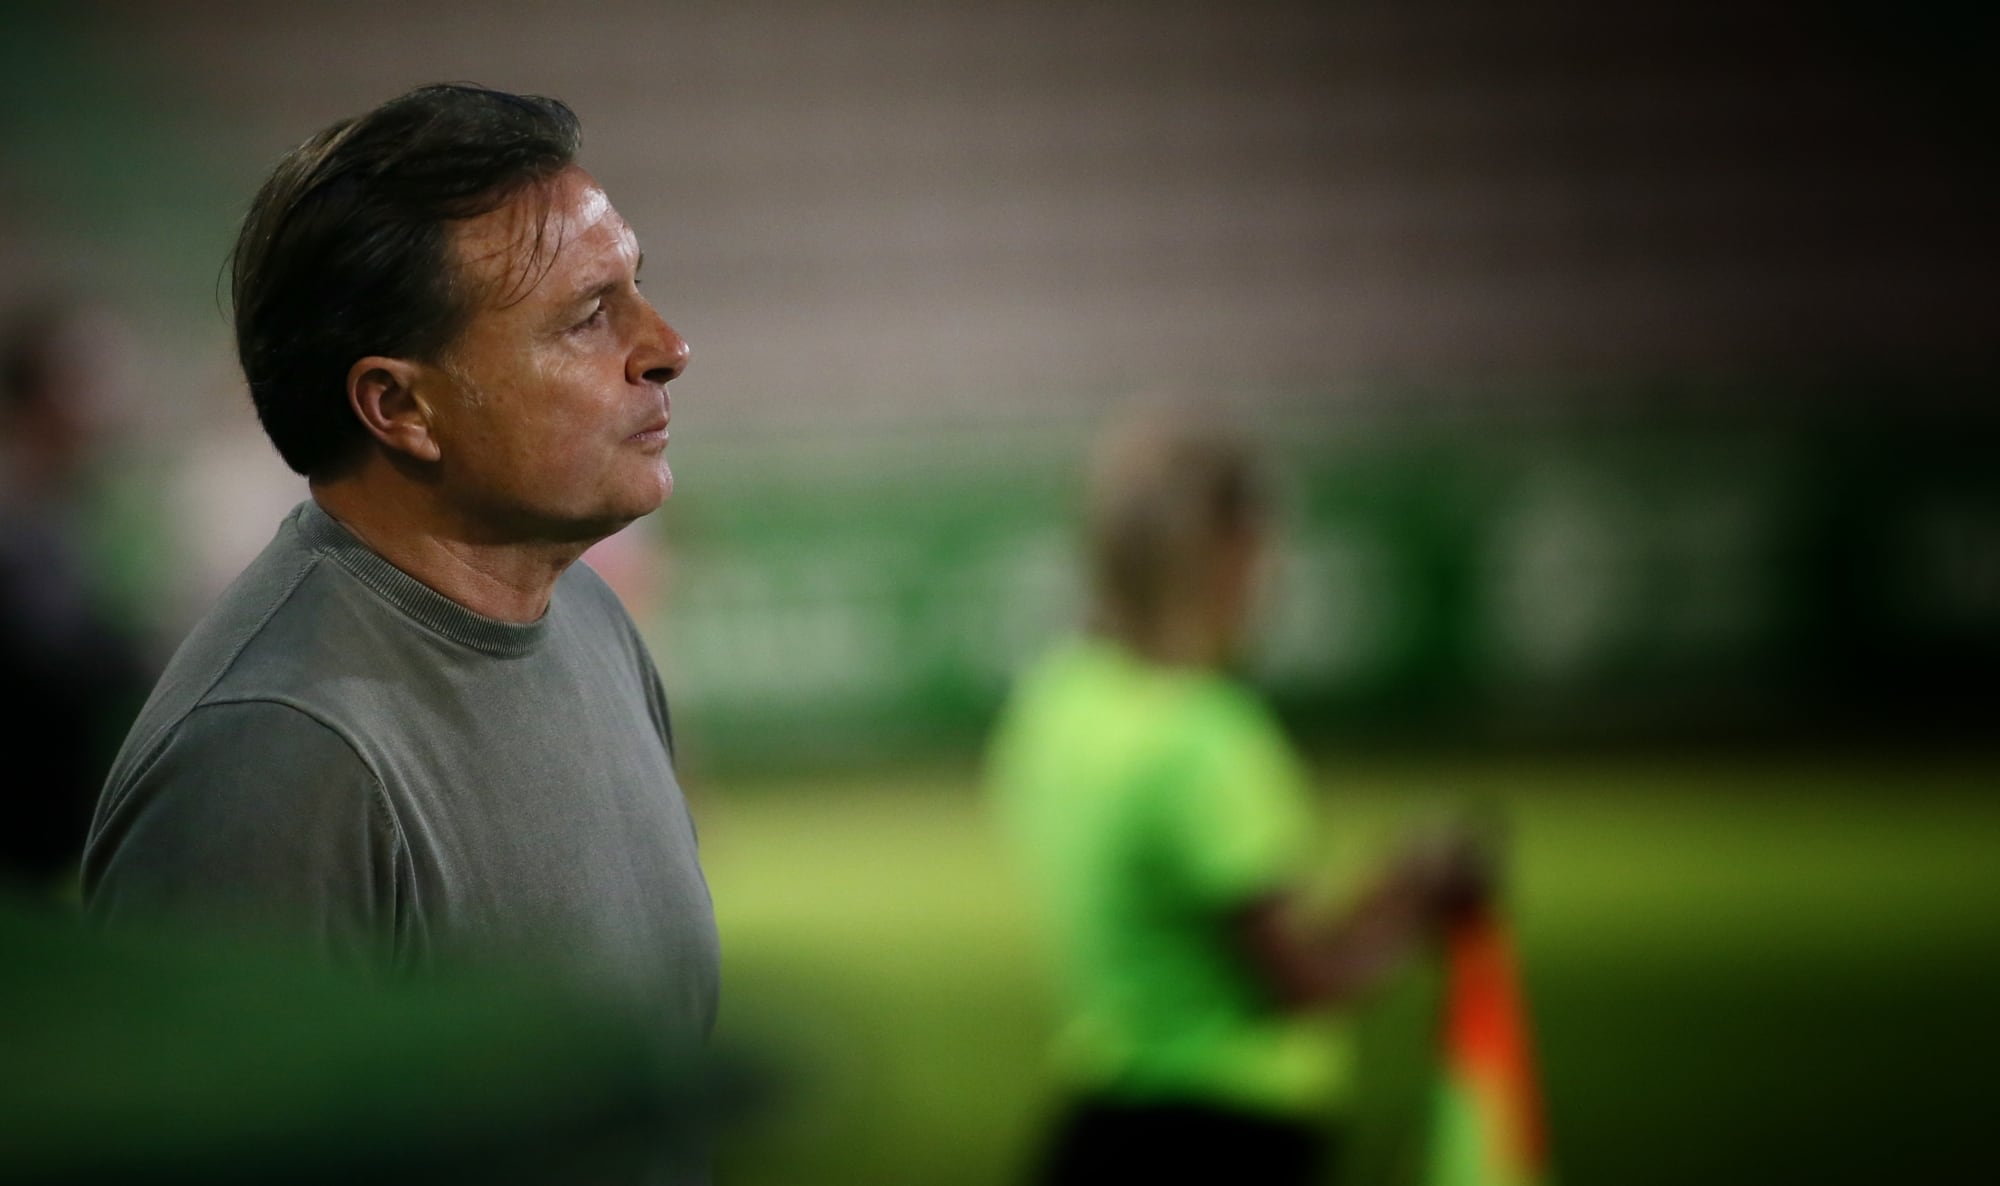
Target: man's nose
661, 357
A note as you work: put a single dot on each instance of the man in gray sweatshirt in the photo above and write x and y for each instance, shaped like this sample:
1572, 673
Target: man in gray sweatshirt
416, 729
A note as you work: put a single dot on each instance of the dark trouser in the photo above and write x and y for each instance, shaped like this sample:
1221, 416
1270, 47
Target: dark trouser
1158, 1144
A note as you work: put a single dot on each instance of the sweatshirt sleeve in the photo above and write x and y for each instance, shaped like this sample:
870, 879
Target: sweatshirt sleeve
256, 817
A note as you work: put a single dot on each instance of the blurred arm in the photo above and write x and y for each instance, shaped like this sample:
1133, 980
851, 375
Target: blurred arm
1310, 962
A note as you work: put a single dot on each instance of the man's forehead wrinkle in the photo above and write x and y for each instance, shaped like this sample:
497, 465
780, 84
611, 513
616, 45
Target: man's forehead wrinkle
624, 260
627, 239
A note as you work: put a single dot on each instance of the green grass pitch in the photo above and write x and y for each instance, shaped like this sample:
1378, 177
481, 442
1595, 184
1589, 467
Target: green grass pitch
1740, 969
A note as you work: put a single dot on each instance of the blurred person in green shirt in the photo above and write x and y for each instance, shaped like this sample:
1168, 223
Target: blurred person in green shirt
1165, 825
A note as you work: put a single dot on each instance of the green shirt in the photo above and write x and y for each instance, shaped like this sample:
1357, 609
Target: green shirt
1147, 805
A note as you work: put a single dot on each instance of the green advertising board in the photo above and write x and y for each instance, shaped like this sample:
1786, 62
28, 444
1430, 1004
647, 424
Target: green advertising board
1436, 580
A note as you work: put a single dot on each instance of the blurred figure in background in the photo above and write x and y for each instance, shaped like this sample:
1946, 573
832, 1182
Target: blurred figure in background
1165, 825
73, 670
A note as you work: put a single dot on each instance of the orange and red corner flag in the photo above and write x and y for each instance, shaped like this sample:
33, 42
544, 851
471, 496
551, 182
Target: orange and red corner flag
1489, 1127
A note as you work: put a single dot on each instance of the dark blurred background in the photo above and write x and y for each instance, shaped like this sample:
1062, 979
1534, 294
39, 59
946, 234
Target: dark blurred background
1629, 375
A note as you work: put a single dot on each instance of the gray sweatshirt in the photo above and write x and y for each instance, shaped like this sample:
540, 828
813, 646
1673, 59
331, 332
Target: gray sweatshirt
339, 751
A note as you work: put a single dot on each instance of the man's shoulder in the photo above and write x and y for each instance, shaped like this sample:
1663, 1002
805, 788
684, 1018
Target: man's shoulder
1224, 707
287, 630
286, 605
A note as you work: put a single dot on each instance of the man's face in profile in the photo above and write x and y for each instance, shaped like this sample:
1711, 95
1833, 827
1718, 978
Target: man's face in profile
551, 407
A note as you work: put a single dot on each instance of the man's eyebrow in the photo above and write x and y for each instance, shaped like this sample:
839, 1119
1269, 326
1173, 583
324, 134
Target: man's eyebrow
599, 291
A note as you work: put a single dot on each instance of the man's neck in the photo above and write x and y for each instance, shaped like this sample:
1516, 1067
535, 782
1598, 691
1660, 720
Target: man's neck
507, 580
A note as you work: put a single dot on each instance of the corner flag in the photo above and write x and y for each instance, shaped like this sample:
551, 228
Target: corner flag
1488, 1126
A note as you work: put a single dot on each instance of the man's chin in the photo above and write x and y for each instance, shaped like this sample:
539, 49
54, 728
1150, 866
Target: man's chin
647, 495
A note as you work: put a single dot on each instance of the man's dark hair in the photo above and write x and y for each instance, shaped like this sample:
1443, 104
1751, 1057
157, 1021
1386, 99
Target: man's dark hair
346, 252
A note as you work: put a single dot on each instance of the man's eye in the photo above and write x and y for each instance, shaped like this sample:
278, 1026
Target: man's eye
596, 317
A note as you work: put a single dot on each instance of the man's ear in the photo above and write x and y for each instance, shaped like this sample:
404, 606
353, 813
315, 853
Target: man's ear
383, 393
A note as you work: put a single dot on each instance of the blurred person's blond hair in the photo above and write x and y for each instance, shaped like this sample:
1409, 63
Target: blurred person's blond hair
1174, 511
